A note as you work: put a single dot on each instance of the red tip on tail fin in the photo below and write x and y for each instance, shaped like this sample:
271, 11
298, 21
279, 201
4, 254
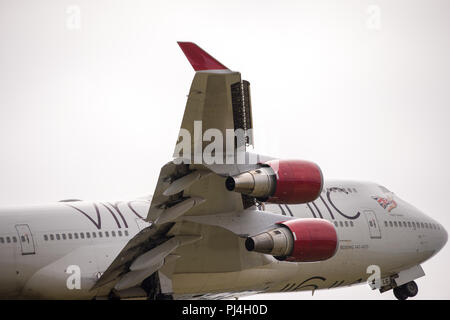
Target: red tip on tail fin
200, 59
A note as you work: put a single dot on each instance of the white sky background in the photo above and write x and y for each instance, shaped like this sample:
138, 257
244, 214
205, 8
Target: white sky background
359, 87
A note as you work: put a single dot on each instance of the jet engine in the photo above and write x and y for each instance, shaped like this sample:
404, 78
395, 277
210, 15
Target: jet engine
280, 181
298, 240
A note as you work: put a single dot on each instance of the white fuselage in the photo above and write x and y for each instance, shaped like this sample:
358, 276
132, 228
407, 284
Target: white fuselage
43, 247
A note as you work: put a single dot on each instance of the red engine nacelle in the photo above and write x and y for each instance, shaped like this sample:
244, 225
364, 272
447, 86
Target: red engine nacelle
280, 181
314, 239
298, 240
298, 181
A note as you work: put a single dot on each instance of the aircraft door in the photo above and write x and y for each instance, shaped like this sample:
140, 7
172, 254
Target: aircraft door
26, 239
372, 222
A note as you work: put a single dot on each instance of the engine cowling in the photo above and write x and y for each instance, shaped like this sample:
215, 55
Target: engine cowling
298, 240
280, 181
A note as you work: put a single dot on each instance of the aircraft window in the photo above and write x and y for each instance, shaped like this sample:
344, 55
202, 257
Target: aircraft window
354, 190
371, 223
82, 235
385, 224
75, 235
100, 234
106, 234
14, 239
8, 239
52, 237
351, 223
404, 224
346, 223
88, 235
390, 224
64, 236
395, 224
409, 224
58, 237
22, 238
349, 189
336, 224
113, 233
2, 240
126, 232
70, 236
94, 235
341, 224
421, 225
119, 233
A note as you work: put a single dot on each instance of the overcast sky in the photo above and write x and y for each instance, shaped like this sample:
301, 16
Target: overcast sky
92, 94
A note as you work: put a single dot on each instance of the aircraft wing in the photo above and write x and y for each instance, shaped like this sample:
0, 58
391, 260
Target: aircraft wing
193, 184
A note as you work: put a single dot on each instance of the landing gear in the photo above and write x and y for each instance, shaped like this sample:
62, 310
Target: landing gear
152, 287
399, 294
408, 290
162, 296
411, 289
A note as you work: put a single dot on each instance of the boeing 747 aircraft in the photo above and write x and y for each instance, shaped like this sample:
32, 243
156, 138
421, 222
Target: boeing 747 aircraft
222, 222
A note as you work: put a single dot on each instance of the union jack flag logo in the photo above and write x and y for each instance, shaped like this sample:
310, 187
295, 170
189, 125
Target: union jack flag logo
386, 203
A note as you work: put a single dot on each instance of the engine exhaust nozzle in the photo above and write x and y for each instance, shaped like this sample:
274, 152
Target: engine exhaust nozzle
259, 183
277, 242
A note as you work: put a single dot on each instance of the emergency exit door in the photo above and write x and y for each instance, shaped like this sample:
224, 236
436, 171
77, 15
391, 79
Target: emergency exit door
26, 239
372, 222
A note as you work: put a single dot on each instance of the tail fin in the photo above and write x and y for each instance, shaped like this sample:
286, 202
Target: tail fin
200, 59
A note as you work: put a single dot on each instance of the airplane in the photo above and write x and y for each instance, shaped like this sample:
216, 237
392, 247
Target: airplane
222, 222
